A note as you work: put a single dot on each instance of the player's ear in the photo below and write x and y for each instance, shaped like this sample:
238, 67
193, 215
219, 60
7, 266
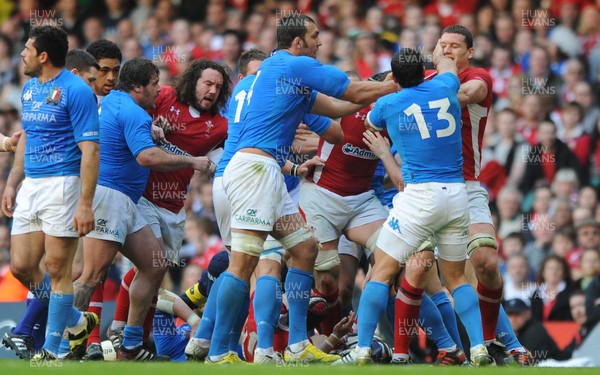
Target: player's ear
297, 42
470, 52
75, 71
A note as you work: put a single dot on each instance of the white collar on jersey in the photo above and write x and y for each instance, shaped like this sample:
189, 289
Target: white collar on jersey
194, 112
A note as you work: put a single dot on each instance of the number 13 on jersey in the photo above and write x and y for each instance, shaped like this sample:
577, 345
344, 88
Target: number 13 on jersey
442, 105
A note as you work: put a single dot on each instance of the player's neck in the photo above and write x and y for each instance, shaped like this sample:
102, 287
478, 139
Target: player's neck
462, 68
49, 73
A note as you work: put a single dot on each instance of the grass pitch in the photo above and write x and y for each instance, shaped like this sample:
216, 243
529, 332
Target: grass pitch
17, 367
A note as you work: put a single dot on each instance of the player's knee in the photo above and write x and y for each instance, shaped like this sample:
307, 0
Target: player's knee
22, 272
56, 269
485, 264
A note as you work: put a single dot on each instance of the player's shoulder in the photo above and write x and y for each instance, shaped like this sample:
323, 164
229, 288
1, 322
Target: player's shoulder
244, 83
75, 84
472, 73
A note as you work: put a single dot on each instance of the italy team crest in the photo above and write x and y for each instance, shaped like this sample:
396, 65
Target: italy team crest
53, 97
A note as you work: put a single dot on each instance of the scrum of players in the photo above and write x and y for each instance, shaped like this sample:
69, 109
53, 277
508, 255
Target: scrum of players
104, 163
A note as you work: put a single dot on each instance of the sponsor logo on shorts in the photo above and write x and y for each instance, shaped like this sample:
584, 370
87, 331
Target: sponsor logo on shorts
252, 220
358, 152
251, 212
101, 228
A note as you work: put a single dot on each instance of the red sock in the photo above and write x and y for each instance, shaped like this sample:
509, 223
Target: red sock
489, 304
333, 314
150, 318
122, 308
96, 307
408, 304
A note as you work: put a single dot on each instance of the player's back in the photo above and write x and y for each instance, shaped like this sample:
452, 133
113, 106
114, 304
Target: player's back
424, 124
234, 115
283, 91
119, 168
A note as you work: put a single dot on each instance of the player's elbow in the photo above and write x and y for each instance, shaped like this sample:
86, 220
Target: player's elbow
355, 95
146, 158
334, 135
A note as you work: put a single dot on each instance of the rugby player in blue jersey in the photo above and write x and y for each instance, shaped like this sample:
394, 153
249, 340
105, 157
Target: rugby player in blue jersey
128, 152
423, 120
57, 163
29, 333
288, 85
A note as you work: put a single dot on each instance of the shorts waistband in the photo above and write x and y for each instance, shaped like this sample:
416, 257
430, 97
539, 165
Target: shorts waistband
255, 158
435, 185
471, 183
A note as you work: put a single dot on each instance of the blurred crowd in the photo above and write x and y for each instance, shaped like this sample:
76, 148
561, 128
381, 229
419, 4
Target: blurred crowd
541, 156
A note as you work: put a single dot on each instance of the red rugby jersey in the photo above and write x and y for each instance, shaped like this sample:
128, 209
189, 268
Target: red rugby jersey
190, 131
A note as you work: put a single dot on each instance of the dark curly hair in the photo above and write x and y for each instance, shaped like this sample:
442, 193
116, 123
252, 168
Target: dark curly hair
186, 84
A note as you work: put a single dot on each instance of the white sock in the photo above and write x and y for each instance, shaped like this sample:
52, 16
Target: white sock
400, 356
299, 346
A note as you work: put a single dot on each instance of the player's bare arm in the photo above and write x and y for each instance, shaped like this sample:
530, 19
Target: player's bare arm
84, 222
16, 176
331, 107
472, 92
365, 92
158, 160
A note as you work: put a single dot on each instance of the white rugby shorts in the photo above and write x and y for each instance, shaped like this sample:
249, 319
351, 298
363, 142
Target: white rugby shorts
48, 205
427, 211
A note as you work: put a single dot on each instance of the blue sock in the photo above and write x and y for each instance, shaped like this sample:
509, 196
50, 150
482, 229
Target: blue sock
39, 332
133, 336
59, 308
466, 304
234, 337
444, 305
433, 325
373, 301
36, 309
505, 333
297, 290
43, 290
63, 348
207, 325
390, 310
231, 297
74, 316
267, 306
